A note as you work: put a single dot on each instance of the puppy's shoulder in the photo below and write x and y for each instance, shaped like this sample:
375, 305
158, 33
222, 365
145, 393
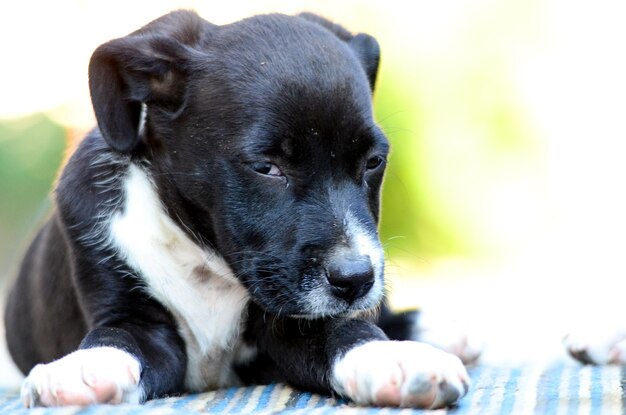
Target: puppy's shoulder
90, 184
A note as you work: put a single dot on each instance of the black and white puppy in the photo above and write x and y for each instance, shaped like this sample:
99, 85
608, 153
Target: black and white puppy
220, 227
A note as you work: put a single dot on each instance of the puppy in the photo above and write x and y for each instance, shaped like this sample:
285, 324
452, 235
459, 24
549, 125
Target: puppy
219, 227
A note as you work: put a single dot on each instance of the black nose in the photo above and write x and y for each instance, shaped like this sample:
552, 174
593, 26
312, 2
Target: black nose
351, 278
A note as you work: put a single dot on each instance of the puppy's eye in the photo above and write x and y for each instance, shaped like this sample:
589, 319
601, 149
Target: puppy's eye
267, 169
374, 163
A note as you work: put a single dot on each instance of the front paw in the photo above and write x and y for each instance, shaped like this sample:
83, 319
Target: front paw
400, 373
87, 376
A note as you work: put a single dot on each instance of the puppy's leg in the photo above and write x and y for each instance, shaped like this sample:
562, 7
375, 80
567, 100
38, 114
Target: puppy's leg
597, 344
449, 335
355, 359
112, 366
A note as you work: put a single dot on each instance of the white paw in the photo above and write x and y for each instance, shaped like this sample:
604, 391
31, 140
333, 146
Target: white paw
597, 344
400, 373
87, 376
450, 335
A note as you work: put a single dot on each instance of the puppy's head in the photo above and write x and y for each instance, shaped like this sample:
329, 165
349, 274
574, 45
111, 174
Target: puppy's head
261, 141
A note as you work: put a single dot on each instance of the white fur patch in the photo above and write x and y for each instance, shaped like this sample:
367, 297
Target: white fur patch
87, 376
406, 374
195, 284
364, 244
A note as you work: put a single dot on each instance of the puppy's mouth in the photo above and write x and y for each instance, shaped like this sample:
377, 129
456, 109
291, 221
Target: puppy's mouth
342, 280
318, 295
333, 298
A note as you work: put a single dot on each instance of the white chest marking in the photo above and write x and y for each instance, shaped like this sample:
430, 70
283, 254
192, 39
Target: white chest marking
195, 284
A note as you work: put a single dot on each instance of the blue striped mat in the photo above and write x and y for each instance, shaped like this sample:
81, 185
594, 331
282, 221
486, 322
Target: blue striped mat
557, 389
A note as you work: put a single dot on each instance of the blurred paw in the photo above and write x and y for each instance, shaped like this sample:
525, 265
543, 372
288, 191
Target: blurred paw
88, 376
450, 335
405, 374
598, 345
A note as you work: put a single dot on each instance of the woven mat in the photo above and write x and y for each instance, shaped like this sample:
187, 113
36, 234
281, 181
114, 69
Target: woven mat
560, 388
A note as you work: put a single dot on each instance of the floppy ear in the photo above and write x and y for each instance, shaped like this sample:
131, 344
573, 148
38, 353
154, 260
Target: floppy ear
368, 52
364, 46
149, 67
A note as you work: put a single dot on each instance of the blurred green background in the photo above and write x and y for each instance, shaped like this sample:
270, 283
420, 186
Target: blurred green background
491, 107
31, 150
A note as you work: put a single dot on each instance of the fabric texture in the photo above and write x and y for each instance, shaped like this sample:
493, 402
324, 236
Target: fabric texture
563, 388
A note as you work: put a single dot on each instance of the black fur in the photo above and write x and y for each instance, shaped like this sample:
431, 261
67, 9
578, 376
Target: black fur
224, 103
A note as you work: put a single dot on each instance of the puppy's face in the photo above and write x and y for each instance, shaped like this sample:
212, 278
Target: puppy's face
267, 150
